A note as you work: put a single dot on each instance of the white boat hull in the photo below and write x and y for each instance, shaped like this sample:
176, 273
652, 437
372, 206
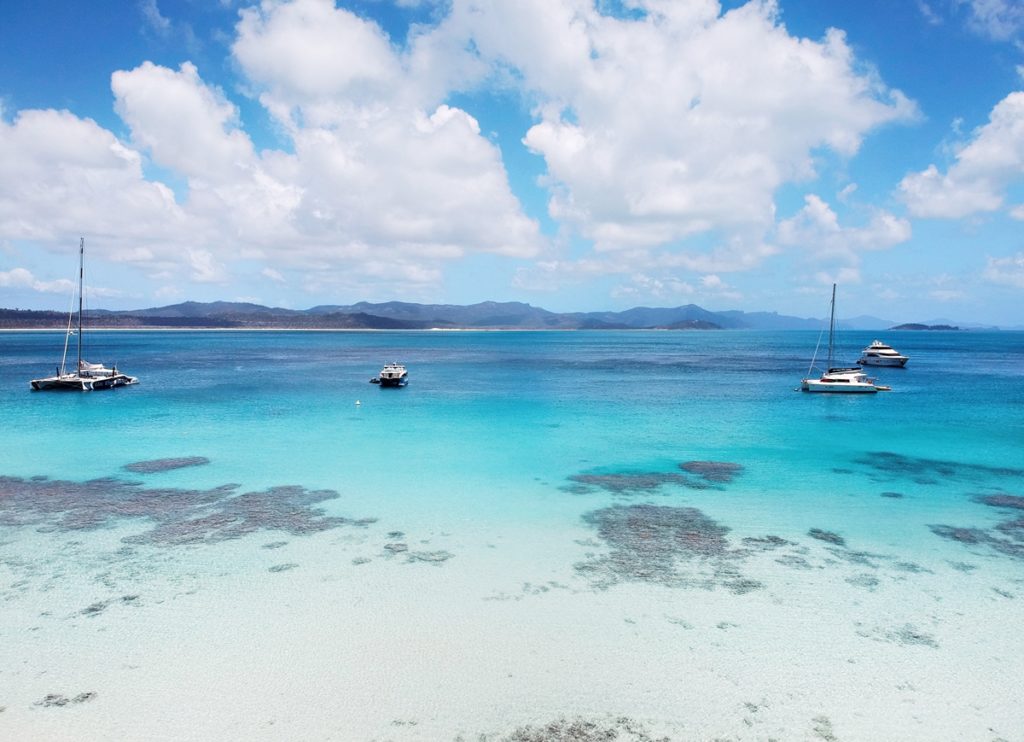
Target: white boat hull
898, 362
880, 354
842, 381
393, 374
76, 383
832, 387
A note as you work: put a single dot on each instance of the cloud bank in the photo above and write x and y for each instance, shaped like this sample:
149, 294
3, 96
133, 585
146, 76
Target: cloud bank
665, 137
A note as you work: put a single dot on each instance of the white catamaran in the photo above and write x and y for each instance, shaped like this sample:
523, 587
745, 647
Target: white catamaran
86, 376
838, 379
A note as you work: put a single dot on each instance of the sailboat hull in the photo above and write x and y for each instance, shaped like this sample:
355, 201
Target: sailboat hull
816, 385
59, 384
75, 383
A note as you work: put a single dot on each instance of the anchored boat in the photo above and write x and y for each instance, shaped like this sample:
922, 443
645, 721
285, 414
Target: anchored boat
880, 354
393, 374
85, 376
845, 380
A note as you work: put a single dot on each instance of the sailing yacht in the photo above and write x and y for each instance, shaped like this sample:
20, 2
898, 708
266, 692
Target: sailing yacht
86, 376
847, 380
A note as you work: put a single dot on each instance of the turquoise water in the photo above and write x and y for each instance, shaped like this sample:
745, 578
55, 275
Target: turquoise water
507, 461
500, 411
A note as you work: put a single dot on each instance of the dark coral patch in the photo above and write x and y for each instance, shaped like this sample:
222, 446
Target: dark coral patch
1013, 528
963, 535
869, 582
743, 585
671, 546
176, 516
713, 471
1012, 546
862, 558
794, 561
765, 543
827, 536
930, 471
1006, 537
909, 634
431, 557
289, 509
57, 699
627, 483
1002, 500
583, 730
283, 567
96, 608
699, 475
157, 465
99, 606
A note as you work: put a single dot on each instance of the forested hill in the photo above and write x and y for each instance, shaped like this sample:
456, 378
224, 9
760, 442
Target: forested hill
410, 316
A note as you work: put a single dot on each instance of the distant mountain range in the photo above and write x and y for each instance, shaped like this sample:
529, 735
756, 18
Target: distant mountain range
396, 315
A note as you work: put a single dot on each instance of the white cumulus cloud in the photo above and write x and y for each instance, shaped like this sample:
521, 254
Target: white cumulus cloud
22, 278
816, 229
984, 167
1001, 20
378, 164
1008, 271
61, 175
664, 136
680, 123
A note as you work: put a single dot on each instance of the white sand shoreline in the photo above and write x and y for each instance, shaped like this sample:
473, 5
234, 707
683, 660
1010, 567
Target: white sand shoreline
473, 648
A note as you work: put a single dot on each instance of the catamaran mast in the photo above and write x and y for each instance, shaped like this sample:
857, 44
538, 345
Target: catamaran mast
831, 328
81, 273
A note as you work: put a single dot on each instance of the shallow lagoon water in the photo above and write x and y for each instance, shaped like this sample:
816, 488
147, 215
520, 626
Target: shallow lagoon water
518, 543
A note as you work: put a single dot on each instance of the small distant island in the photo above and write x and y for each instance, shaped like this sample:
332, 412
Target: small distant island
916, 326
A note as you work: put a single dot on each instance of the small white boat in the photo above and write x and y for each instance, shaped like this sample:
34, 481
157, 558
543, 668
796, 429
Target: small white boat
87, 376
880, 354
393, 374
836, 379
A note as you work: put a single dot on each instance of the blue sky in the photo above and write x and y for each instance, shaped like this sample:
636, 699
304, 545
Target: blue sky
577, 155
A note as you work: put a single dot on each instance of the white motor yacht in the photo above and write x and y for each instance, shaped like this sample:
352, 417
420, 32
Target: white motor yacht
393, 374
880, 354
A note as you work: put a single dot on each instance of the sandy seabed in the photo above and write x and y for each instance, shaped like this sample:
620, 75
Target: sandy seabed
520, 634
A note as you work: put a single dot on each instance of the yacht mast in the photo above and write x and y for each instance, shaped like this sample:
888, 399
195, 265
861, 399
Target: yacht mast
81, 273
831, 328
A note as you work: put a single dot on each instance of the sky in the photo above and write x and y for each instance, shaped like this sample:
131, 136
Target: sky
578, 155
